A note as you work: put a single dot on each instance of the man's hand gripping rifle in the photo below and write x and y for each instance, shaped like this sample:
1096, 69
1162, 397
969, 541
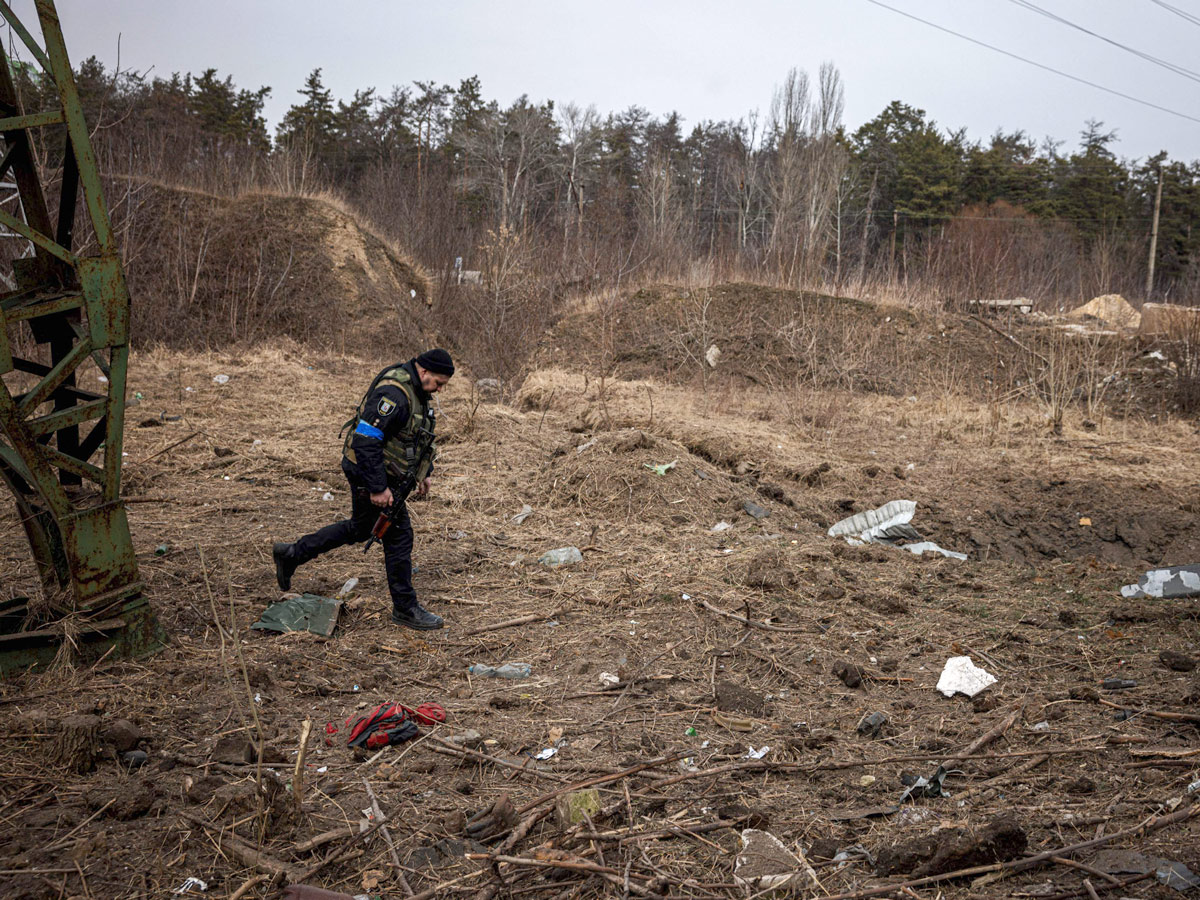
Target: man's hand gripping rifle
406, 486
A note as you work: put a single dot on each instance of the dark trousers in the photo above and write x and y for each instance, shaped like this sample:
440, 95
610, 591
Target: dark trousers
397, 543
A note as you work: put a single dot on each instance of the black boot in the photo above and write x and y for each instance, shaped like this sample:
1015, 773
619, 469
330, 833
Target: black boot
285, 565
416, 616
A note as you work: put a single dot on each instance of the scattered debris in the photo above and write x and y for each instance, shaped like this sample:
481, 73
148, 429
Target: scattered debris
507, 670
220, 379
888, 524
306, 612
765, 864
872, 726
661, 468
961, 676
920, 786
1173, 874
720, 526
1172, 582
608, 679
525, 513
759, 753
190, 884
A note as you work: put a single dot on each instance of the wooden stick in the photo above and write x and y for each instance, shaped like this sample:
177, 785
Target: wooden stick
1083, 867
249, 886
250, 856
320, 840
601, 779
509, 623
387, 836
182, 440
1168, 716
298, 773
991, 783
985, 738
447, 746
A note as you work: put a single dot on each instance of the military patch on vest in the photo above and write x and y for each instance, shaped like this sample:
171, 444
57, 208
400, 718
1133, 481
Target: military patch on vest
386, 406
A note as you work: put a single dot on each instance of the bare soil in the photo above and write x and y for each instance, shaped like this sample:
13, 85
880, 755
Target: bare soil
654, 603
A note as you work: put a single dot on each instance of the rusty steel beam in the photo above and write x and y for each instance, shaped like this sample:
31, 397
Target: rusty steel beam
76, 309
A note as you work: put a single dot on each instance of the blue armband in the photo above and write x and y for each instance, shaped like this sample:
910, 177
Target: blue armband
368, 430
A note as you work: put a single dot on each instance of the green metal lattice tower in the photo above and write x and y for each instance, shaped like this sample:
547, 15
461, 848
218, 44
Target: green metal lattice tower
60, 445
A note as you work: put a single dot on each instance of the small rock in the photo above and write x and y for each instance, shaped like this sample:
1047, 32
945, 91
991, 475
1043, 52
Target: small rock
471, 739
122, 735
850, 674
1176, 661
872, 725
754, 510
134, 759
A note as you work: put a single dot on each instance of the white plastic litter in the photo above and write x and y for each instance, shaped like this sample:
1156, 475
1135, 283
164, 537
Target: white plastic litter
220, 379
721, 526
347, 589
608, 679
547, 753
1174, 581
961, 676
327, 496
525, 513
889, 524
190, 884
758, 754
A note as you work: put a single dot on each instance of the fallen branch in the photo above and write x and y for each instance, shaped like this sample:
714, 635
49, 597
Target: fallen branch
444, 746
991, 783
984, 739
510, 623
387, 836
182, 440
1167, 716
248, 855
600, 779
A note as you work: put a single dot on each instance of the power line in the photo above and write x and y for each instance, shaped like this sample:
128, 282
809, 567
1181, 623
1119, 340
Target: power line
1195, 20
1039, 65
1169, 66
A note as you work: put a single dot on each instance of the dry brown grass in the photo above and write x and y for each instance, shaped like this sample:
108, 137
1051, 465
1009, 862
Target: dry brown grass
1003, 487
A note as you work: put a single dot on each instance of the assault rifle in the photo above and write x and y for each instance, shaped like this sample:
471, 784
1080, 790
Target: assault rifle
400, 492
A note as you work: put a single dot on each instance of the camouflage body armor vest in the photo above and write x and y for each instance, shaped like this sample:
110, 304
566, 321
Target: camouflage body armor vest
399, 450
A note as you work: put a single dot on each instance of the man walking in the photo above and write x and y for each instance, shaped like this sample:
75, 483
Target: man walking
388, 437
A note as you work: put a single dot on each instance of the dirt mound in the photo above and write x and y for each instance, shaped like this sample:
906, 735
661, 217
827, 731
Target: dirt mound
1111, 309
752, 334
205, 270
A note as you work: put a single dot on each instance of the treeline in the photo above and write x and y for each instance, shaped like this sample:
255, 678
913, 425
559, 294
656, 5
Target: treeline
550, 196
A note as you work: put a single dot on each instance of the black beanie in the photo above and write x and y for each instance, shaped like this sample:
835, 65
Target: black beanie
437, 361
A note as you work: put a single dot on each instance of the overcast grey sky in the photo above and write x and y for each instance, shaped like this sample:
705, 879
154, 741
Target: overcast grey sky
707, 59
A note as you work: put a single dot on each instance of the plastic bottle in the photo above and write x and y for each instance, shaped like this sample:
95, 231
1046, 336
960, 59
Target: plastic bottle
508, 670
563, 556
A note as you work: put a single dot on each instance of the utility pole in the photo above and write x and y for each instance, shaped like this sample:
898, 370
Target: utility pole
1154, 235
